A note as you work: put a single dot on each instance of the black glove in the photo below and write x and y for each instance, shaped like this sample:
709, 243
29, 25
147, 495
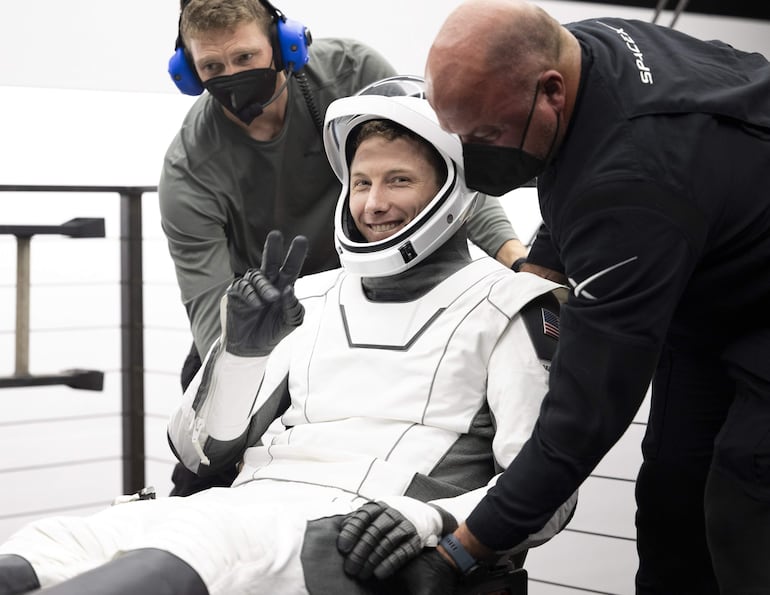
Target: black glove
261, 306
377, 539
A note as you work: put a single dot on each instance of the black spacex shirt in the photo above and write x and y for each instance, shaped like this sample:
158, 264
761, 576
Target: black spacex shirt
658, 206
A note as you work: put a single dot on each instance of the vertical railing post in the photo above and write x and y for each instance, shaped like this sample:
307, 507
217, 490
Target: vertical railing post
22, 304
132, 348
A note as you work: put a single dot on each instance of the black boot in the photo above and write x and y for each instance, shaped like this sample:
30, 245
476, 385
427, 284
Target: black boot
139, 571
16, 575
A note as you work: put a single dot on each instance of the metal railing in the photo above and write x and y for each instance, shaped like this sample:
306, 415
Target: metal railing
131, 326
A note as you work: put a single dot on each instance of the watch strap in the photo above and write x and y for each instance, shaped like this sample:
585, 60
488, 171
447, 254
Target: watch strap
516, 266
464, 561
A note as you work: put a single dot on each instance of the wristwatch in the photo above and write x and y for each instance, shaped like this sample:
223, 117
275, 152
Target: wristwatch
464, 561
516, 266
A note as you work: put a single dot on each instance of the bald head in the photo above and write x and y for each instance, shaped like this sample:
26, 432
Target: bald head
489, 38
487, 61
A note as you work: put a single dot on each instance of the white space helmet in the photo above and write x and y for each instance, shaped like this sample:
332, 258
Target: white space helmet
400, 99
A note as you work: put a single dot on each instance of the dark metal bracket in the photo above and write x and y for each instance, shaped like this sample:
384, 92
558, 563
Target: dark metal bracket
74, 378
81, 227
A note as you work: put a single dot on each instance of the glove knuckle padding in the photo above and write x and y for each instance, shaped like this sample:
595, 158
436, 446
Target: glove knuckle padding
357, 541
354, 565
250, 277
237, 290
387, 519
243, 299
253, 300
377, 540
352, 528
399, 552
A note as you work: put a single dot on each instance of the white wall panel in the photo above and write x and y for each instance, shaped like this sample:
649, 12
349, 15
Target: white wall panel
57, 259
66, 306
541, 588
163, 391
624, 459
605, 507
38, 492
23, 405
11, 524
589, 562
97, 349
164, 310
60, 441
159, 476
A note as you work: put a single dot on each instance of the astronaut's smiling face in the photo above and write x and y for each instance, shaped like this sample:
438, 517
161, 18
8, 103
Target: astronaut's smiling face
391, 182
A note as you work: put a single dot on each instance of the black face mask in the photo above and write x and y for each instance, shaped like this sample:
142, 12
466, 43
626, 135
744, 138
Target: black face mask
495, 170
245, 94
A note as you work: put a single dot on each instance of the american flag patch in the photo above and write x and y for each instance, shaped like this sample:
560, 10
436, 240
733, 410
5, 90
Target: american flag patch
550, 323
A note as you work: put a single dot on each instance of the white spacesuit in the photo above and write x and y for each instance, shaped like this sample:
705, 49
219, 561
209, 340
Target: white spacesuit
381, 392
416, 376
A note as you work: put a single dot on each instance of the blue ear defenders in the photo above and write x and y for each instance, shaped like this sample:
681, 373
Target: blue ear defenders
183, 73
290, 40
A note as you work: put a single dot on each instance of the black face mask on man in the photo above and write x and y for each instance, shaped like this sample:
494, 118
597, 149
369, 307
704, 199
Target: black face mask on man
245, 94
495, 170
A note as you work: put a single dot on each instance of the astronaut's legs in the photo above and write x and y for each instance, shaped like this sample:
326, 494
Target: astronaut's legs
138, 571
219, 541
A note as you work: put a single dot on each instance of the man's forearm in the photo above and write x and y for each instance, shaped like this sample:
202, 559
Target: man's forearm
544, 272
510, 252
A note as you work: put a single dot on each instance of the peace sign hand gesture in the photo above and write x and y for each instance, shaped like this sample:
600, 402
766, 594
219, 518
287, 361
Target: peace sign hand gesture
260, 308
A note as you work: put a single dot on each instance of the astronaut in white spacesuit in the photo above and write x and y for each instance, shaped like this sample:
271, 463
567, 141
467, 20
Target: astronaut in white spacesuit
386, 395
